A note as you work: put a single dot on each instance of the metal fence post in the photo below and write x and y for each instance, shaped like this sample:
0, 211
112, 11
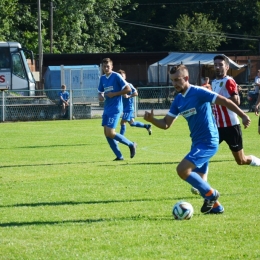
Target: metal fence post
3, 104
71, 103
135, 106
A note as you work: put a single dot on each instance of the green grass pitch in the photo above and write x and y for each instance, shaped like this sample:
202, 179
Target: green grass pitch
63, 196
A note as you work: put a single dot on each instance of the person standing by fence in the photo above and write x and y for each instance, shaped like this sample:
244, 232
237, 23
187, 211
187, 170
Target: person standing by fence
257, 104
257, 83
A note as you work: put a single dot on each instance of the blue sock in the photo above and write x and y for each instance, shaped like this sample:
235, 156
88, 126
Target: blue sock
114, 147
121, 139
204, 188
217, 208
138, 124
123, 129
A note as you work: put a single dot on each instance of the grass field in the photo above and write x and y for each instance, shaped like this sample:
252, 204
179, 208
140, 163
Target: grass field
63, 196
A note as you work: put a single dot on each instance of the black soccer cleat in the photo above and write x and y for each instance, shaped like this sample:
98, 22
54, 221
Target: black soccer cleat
208, 204
149, 129
133, 150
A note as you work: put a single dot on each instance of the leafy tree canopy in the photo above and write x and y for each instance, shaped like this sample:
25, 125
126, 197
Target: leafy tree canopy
78, 26
128, 25
197, 33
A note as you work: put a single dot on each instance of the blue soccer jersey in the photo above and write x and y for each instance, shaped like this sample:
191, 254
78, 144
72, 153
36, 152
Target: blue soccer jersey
112, 83
195, 107
128, 103
65, 95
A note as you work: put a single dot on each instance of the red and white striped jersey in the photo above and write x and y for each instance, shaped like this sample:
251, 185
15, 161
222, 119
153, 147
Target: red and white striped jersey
225, 87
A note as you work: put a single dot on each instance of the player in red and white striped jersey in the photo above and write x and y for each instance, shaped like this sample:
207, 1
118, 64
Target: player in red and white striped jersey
227, 121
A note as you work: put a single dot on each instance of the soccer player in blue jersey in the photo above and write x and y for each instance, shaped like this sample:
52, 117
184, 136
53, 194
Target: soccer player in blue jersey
194, 104
128, 109
111, 88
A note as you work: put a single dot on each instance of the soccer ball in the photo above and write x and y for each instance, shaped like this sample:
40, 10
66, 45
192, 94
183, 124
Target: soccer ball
182, 210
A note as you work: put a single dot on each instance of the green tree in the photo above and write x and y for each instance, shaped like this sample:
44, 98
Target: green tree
140, 26
240, 17
8, 9
196, 33
78, 27
88, 26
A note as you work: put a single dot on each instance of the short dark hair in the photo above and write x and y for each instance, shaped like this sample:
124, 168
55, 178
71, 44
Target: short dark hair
107, 60
180, 67
221, 57
121, 72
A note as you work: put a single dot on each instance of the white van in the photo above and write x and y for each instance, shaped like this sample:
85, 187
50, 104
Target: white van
15, 73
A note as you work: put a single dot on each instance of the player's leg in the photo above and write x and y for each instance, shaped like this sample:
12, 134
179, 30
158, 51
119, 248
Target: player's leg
235, 142
203, 173
243, 159
112, 143
259, 125
197, 157
134, 123
123, 126
110, 132
63, 108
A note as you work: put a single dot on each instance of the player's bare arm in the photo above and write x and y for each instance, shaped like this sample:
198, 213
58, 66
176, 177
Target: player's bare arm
135, 94
220, 100
124, 91
236, 99
163, 123
101, 96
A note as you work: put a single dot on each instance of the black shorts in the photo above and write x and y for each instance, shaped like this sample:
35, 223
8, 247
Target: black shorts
61, 102
232, 136
259, 121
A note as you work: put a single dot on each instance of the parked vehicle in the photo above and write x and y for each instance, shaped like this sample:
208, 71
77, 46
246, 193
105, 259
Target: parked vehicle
15, 73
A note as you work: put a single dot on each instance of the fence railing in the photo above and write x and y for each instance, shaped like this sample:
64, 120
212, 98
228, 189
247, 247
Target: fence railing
45, 105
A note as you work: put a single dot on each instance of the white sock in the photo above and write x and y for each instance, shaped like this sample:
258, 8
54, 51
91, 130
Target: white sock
255, 161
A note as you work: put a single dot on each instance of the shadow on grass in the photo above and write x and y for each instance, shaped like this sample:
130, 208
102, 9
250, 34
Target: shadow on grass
47, 146
42, 164
54, 145
86, 221
121, 163
62, 203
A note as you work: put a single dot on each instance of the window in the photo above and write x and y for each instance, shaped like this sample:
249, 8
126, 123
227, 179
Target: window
4, 58
18, 68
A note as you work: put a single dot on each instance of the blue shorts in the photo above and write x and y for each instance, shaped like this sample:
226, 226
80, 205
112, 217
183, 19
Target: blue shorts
110, 120
128, 116
200, 155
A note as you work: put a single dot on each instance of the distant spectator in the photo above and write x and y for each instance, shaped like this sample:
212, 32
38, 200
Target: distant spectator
257, 83
64, 100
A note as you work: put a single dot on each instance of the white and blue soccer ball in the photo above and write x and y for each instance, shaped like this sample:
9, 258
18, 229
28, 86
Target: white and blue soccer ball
182, 210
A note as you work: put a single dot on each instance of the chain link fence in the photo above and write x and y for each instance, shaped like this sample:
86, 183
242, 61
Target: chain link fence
45, 105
